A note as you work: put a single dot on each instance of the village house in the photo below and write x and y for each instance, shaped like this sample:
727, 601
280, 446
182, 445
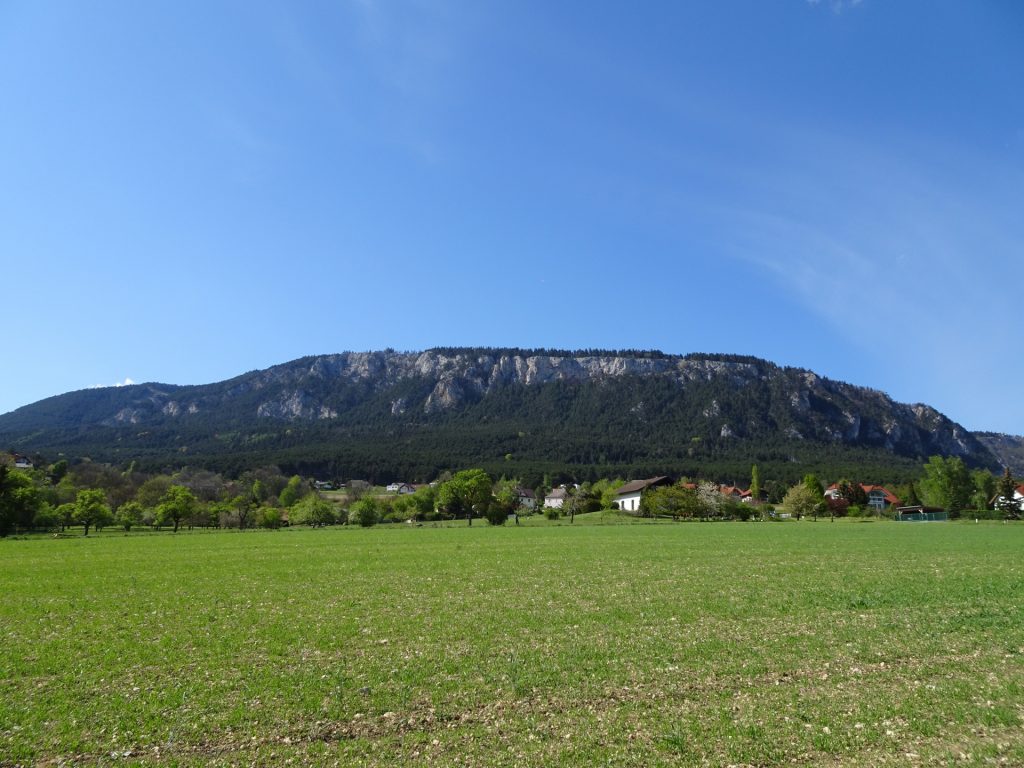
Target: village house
527, 498
556, 498
1018, 498
627, 498
880, 498
402, 489
735, 493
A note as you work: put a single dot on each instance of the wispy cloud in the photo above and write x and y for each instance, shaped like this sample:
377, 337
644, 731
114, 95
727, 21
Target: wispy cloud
837, 6
900, 254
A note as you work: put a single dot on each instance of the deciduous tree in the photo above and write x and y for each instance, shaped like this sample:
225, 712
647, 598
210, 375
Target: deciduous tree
364, 512
467, 491
312, 510
178, 504
293, 491
128, 515
20, 500
710, 499
91, 509
800, 500
946, 483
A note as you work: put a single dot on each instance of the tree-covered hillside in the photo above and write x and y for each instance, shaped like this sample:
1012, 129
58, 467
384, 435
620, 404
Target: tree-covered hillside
528, 413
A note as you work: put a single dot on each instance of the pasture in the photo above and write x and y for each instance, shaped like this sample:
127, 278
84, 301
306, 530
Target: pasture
757, 644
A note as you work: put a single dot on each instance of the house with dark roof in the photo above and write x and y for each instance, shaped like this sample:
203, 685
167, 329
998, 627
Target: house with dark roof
527, 498
627, 498
556, 498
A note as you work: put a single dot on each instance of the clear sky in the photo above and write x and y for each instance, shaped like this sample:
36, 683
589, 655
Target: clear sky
193, 189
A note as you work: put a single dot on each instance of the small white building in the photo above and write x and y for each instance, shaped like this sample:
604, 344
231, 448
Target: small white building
400, 488
556, 498
527, 499
1018, 497
627, 498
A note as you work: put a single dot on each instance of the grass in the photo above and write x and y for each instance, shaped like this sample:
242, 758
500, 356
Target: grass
626, 645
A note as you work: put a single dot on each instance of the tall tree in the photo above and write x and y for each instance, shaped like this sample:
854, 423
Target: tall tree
946, 483
816, 489
293, 491
912, 499
20, 500
814, 485
985, 487
755, 483
1007, 501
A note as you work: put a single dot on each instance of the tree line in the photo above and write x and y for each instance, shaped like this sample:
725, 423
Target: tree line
94, 496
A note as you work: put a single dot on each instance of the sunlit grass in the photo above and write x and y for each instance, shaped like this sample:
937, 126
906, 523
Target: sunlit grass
543, 644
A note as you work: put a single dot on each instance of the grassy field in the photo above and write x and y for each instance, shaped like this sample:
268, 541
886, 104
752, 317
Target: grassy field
849, 644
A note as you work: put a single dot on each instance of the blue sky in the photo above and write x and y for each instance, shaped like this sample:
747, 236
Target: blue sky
190, 190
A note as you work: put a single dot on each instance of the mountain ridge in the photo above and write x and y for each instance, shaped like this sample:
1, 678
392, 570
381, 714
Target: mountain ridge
637, 408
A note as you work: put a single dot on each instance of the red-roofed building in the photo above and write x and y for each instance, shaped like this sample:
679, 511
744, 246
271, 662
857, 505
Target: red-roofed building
734, 492
880, 498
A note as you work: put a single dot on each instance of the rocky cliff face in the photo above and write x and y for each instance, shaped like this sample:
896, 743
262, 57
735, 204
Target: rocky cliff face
1008, 449
723, 398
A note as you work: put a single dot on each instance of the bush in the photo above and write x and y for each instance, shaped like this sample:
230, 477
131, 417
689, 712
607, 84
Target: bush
46, 519
552, 513
837, 507
312, 510
268, 517
363, 512
496, 514
741, 511
396, 515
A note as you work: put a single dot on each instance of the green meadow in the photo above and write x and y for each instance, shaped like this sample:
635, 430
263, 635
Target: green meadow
743, 644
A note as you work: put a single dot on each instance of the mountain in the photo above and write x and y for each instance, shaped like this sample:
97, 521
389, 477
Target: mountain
408, 415
1008, 450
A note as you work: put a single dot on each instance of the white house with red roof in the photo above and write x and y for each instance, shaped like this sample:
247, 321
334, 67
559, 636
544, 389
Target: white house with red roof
880, 498
735, 493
